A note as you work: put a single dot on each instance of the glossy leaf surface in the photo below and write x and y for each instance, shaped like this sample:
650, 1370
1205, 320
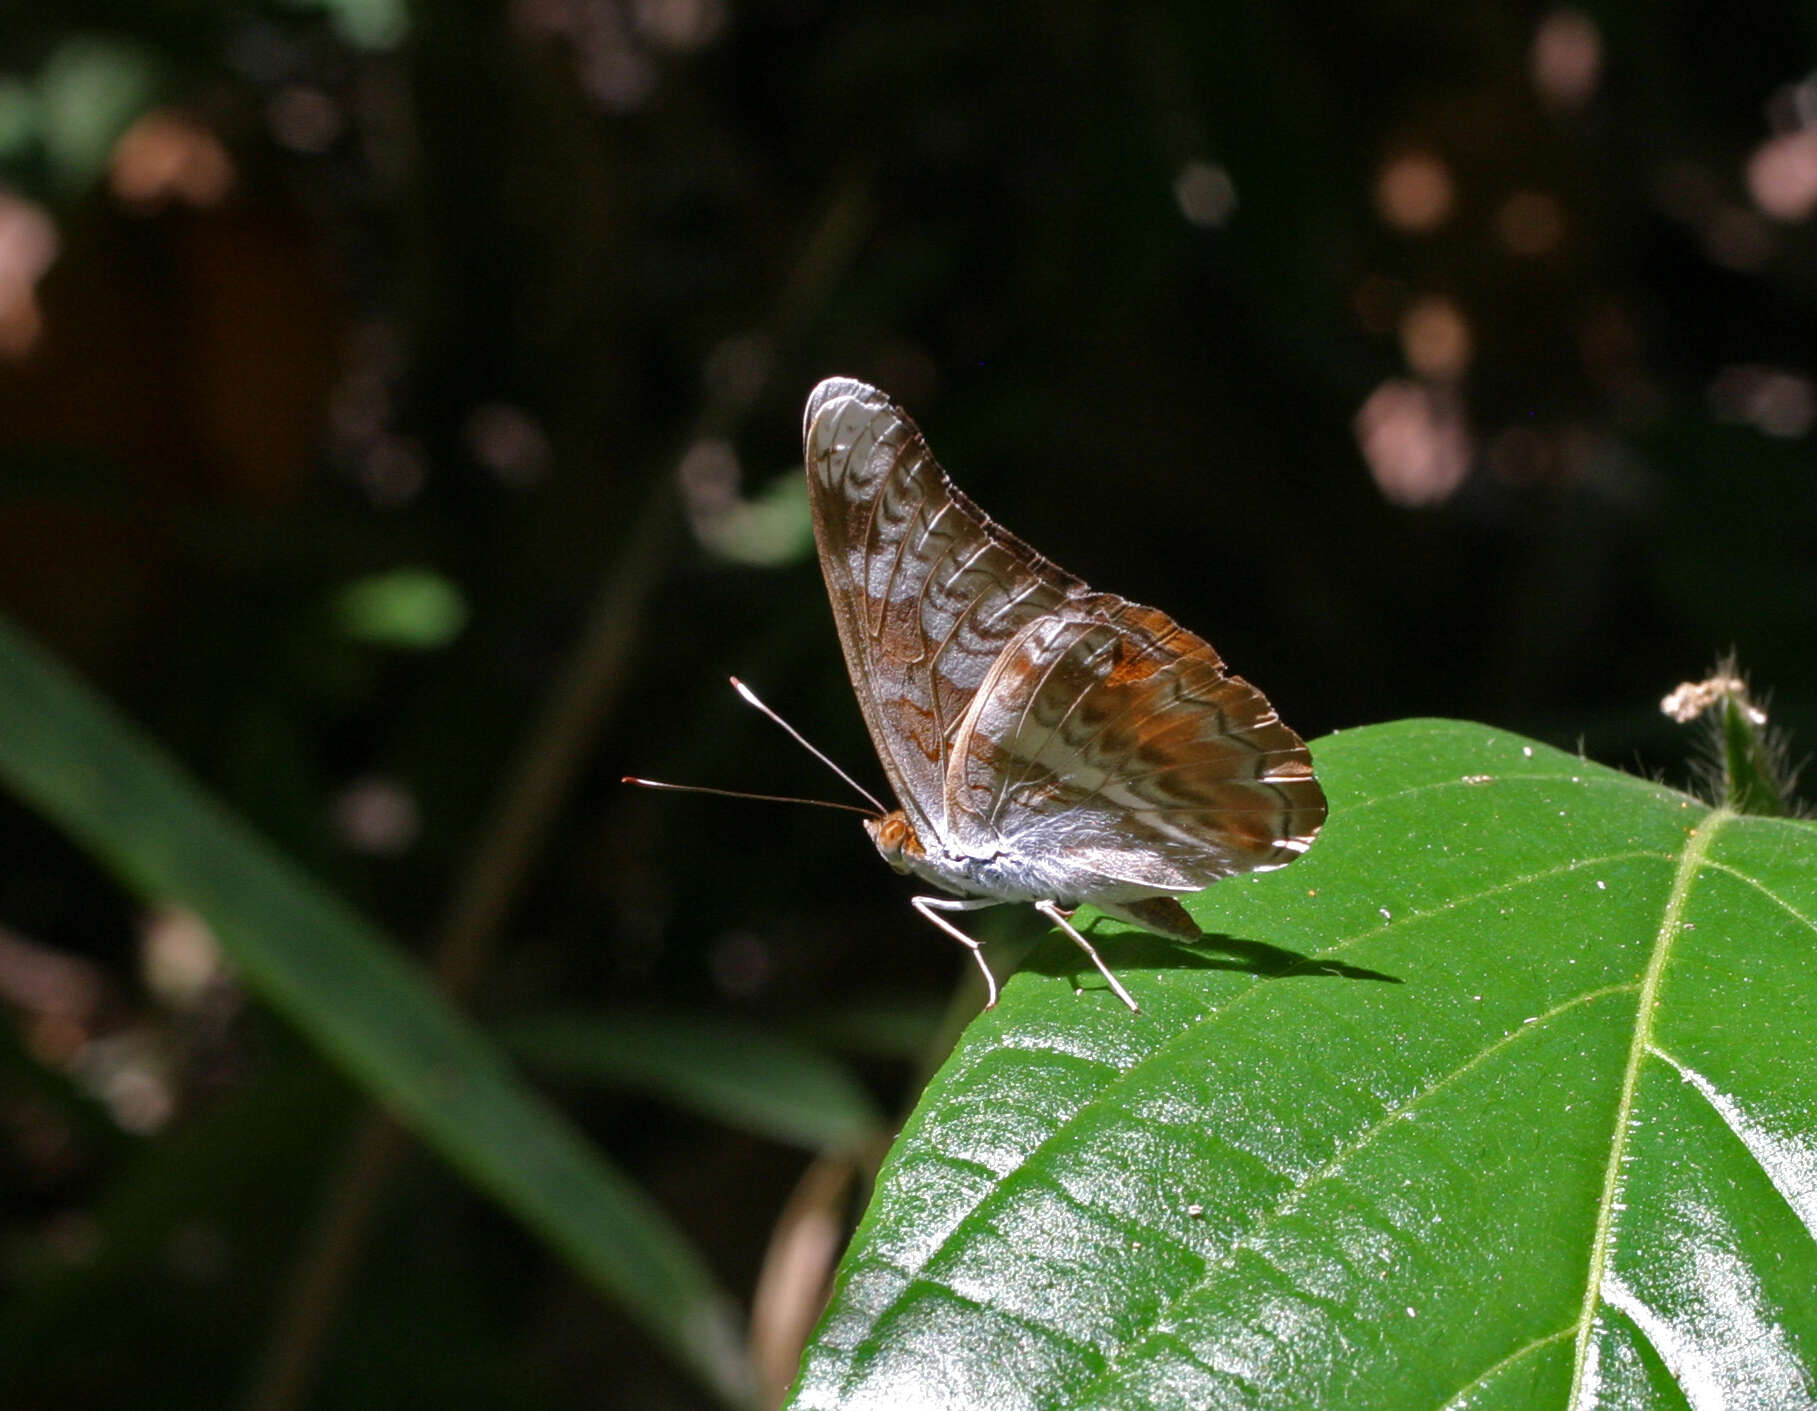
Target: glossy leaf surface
1505, 1096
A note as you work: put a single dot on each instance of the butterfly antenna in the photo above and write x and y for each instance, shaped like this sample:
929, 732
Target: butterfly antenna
750, 698
741, 794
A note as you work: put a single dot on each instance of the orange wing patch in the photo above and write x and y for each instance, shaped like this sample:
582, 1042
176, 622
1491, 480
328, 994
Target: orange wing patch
1134, 663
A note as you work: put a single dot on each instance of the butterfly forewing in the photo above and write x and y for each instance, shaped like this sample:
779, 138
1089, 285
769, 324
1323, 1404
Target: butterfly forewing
925, 591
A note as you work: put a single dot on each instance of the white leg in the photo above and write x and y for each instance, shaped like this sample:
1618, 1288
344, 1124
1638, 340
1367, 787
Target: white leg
1052, 912
931, 906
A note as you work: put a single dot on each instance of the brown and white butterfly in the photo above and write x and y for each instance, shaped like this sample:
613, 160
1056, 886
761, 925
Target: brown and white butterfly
1046, 743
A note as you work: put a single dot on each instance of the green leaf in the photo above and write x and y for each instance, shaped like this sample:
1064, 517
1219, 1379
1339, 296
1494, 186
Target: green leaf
89, 92
735, 1073
366, 24
19, 118
900, 1026
409, 608
342, 983
768, 530
1505, 1096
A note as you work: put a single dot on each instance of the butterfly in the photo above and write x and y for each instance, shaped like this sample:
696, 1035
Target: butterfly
1046, 743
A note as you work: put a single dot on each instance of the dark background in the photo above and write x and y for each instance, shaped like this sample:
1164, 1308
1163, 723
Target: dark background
1429, 359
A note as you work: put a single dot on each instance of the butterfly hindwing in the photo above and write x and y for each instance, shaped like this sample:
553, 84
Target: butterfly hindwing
1113, 733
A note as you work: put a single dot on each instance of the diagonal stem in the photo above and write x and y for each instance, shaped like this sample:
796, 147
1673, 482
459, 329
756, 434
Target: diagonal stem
534, 789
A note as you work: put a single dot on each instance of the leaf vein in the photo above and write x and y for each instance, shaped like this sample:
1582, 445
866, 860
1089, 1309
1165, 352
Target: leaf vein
1808, 922
1458, 1401
1690, 862
1470, 898
1594, 776
1294, 1197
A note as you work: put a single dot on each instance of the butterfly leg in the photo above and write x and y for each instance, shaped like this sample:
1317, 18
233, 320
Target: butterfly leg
930, 906
1051, 910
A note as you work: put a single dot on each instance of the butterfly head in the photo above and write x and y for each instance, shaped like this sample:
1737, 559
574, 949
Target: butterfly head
895, 839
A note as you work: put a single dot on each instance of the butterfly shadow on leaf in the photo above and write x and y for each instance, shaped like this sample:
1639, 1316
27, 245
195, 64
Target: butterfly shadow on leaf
1128, 949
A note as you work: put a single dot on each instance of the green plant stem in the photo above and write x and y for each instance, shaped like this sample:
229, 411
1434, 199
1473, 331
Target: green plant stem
1750, 781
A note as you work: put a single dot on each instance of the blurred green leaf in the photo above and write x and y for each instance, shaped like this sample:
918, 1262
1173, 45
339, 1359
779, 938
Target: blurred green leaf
1568, 1158
769, 529
342, 983
89, 92
366, 24
408, 608
901, 1027
18, 118
739, 1074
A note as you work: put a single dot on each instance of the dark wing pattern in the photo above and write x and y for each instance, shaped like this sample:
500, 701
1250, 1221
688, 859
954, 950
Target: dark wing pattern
1110, 735
926, 590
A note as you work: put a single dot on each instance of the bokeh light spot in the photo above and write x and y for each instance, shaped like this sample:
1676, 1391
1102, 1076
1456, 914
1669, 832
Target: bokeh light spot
1205, 193
1414, 192
1415, 442
409, 609
28, 248
509, 442
166, 157
679, 24
377, 816
179, 957
1435, 338
1782, 175
1773, 401
1566, 59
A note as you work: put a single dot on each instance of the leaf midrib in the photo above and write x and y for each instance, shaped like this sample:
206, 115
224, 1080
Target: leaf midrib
1690, 862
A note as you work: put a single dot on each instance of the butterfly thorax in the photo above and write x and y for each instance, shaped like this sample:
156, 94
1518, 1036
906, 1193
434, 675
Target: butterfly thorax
902, 848
1001, 874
